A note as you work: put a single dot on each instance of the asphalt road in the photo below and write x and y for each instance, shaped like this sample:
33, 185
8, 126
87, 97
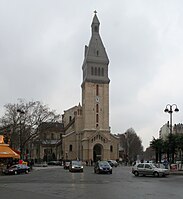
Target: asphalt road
55, 182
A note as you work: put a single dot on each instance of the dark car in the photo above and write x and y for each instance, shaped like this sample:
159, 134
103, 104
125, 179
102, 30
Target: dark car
17, 169
76, 166
102, 167
55, 163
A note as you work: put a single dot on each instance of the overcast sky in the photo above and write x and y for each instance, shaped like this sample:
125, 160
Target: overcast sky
42, 50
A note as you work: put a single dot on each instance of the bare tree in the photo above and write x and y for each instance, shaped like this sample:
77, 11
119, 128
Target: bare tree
131, 144
24, 119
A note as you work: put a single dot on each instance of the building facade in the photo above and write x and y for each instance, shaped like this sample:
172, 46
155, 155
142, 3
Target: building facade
87, 131
165, 130
84, 132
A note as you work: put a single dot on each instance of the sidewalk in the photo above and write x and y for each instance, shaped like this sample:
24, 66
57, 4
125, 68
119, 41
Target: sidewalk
37, 168
176, 172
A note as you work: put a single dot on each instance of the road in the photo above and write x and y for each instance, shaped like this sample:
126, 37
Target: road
55, 182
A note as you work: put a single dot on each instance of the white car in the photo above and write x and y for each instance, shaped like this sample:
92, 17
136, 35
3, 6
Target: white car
149, 169
76, 166
113, 163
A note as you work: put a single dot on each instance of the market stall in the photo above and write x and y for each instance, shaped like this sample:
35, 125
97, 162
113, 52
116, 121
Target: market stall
7, 152
7, 155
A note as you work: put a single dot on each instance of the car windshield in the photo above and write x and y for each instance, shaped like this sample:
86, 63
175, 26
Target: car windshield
14, 166
76, 163
23, 166
103, 163
154, 166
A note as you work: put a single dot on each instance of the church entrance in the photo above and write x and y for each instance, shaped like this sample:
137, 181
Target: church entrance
97, 152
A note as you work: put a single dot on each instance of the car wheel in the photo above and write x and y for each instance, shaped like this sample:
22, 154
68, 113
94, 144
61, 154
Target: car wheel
110, 172
136, 173
156, 174
15, 172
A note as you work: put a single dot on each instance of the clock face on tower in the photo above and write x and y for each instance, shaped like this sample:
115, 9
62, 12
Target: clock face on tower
97, 99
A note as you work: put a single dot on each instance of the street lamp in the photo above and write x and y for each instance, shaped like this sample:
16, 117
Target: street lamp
21, 112
169, 109
127, 147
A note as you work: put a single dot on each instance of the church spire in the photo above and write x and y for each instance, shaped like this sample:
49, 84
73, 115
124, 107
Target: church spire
95, 23
95, 64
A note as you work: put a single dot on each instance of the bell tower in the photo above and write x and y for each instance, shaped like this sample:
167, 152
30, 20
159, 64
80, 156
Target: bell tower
95, 85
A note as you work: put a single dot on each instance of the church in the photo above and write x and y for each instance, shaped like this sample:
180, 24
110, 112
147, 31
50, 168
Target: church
87, 133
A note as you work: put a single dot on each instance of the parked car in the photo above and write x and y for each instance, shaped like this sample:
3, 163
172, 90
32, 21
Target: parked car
113, 163
76, 166
17, 169
66, 164
102, 167
149, 169
42, 164
56, 163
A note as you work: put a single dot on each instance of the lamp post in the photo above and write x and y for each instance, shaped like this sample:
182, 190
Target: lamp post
127, 148
169, 109
21, 112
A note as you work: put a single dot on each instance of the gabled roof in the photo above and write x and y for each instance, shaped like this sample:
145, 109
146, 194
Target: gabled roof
56, 126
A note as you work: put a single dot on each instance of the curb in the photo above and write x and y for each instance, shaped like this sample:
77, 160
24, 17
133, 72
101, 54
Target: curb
176, 173
48, 167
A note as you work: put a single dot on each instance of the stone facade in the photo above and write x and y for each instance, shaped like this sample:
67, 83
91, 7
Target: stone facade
48, 145
86, 133
87, 136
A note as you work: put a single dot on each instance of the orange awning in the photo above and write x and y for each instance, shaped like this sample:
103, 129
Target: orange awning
7, 152
16, 151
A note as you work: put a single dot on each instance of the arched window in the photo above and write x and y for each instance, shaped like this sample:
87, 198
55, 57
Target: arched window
98, 71
97, 118
102, 71
97, 108
96, 28
97, 90
95, 70
111, 148
91, 70
70, 147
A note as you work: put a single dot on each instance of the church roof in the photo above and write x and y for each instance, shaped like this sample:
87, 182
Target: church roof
95, 20
96, 51
55, 126
95, 55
